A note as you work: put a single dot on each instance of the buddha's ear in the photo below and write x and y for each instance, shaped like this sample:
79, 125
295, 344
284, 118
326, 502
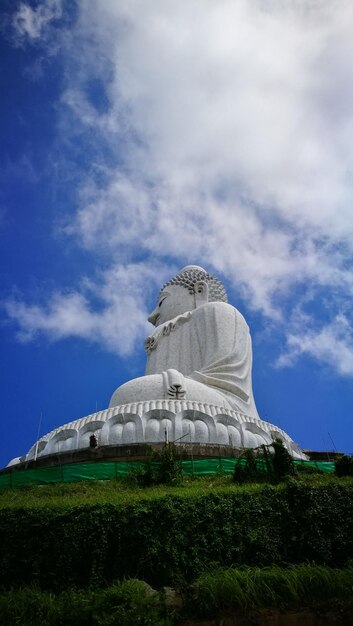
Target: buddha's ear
201, 292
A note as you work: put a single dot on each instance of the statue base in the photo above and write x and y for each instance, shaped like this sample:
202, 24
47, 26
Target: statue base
158, 421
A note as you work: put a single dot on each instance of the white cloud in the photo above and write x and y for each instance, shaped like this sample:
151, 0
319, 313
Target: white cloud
332, 345
118, 322
32, 23
243, 134
231, 124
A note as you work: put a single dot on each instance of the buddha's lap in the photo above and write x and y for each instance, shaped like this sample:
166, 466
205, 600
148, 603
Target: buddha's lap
152, 387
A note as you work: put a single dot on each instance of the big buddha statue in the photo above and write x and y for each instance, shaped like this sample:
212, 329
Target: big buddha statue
200, 349
197, 387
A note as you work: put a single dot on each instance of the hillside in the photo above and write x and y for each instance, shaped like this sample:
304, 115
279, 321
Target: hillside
91, 535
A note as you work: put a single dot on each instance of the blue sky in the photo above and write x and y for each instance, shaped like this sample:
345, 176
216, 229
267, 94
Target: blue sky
139, 137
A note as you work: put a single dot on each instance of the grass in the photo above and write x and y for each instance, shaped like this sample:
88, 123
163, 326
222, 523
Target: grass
127, 603
253, 588
217, 593
121, 492
124, 491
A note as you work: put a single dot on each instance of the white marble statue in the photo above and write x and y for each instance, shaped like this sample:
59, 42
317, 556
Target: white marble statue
197, 387
200, 349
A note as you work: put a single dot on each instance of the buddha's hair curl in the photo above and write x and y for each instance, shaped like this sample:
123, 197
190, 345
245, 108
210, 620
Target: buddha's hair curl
188, 279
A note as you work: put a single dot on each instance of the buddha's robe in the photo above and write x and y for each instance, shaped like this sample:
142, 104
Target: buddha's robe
206, 353
210, 345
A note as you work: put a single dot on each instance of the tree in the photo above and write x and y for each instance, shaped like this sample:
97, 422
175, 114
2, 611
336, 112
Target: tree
283, 465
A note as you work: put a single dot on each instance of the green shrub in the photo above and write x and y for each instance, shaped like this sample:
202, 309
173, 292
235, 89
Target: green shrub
161, 468
26, 606
166, 539
169, 469
283, 465
344, 466
265, 467
127, 603
251, 469
245, 469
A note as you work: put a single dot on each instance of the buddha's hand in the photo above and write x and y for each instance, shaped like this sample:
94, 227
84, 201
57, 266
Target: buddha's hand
174, 384
168, 327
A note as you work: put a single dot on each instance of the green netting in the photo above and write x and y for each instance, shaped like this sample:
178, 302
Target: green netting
117, 469
325, 466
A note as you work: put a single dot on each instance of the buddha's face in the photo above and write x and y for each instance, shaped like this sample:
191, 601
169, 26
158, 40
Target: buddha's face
172, 301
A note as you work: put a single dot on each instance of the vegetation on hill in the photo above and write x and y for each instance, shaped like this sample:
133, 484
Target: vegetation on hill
344, 466
229, 543
286, 587
167, 534
215, 594
122, 492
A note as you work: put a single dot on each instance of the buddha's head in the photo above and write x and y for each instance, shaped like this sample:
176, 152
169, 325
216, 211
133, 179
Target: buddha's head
189, 289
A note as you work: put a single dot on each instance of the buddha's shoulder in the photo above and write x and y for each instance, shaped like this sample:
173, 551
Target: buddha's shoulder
218, 310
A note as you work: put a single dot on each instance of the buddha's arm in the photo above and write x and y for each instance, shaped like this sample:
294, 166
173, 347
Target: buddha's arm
224, 338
